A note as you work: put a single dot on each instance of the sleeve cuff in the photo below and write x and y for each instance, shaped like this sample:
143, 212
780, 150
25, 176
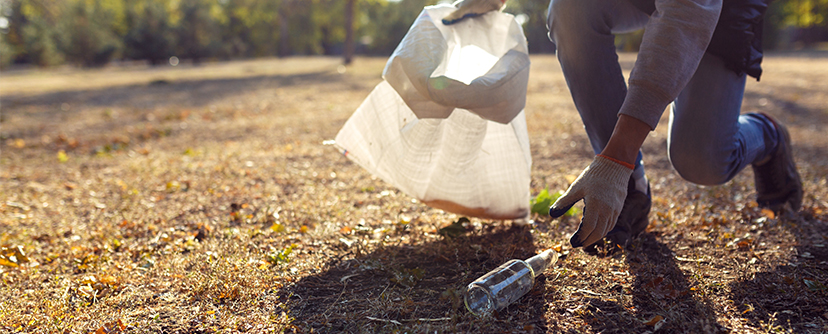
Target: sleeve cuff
645, 103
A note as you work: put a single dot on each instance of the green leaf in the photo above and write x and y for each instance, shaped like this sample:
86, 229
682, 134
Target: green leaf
62, 157
541, 203
278, 228
455, 229
280, 257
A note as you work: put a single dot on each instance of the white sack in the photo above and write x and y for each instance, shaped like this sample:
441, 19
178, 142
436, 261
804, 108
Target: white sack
479, 64
447, 125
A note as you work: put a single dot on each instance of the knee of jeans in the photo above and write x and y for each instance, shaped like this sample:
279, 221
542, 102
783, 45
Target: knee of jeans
563, 13
695, 165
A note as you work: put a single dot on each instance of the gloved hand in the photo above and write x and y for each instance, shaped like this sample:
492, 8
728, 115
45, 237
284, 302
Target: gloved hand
472, 8
603, 187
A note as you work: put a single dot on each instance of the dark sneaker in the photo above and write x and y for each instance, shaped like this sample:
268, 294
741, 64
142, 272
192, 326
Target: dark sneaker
778, 186
634, 216
632, 220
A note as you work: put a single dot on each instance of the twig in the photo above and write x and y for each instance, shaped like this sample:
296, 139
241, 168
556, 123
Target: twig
384, 320
588, 292
684, 259
429, 319
325, 314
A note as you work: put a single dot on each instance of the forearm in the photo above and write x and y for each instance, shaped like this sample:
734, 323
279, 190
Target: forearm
674, 42
627, 137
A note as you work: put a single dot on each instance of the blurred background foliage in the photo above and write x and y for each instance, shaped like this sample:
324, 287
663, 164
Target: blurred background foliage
93, 33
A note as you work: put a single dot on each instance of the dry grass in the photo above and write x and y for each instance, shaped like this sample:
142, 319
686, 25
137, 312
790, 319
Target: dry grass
202, 200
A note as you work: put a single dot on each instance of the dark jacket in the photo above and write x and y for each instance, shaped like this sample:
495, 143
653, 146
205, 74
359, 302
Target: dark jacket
738, 35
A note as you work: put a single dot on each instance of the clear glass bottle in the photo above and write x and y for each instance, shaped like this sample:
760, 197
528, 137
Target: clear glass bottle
504, 285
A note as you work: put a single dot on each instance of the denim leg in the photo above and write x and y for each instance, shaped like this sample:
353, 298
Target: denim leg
709, 141
582, 31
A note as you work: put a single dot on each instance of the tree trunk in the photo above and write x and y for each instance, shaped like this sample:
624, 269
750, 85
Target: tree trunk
349, 31
284, 33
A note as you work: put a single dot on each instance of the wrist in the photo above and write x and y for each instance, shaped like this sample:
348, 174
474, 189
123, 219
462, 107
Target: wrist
611, 170
626, 140
622, 163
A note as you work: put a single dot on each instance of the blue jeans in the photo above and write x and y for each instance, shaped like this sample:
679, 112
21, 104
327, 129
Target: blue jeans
709, 141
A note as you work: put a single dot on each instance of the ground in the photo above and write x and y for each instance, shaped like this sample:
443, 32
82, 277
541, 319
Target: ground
205, 199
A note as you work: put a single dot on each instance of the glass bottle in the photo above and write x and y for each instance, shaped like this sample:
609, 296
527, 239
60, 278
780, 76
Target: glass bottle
505, 284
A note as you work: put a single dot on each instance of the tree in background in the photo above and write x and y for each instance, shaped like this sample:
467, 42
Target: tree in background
32, 33
807, 18
349, 31
533, 13
150, 36
249, 28
93, 32
387, 23
6, 51
196, 30
286, 9
87, 34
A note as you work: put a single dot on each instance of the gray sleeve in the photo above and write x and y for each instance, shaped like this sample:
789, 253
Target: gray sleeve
674, 42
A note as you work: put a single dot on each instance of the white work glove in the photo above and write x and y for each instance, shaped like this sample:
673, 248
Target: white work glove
603, 187
472, 8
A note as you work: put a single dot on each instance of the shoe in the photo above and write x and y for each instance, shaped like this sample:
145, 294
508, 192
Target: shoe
634, 216
778, 186
632, 220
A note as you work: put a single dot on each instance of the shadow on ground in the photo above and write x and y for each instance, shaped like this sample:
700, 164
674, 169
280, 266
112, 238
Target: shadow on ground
97, 119
791, 296
660, 294
162, 93
415, 287
794, 294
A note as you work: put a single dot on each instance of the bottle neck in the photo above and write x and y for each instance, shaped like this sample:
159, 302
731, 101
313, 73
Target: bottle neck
540, 262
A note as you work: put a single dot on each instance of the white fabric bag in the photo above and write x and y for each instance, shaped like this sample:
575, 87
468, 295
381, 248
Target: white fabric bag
447, 125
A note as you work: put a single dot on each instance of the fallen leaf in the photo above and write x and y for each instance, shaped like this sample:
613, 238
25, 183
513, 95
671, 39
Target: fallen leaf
655, 282
12, 256
108, 280
229, 293
558, 247
62, 157
278, 228
113, 327
744, 244
655, 320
